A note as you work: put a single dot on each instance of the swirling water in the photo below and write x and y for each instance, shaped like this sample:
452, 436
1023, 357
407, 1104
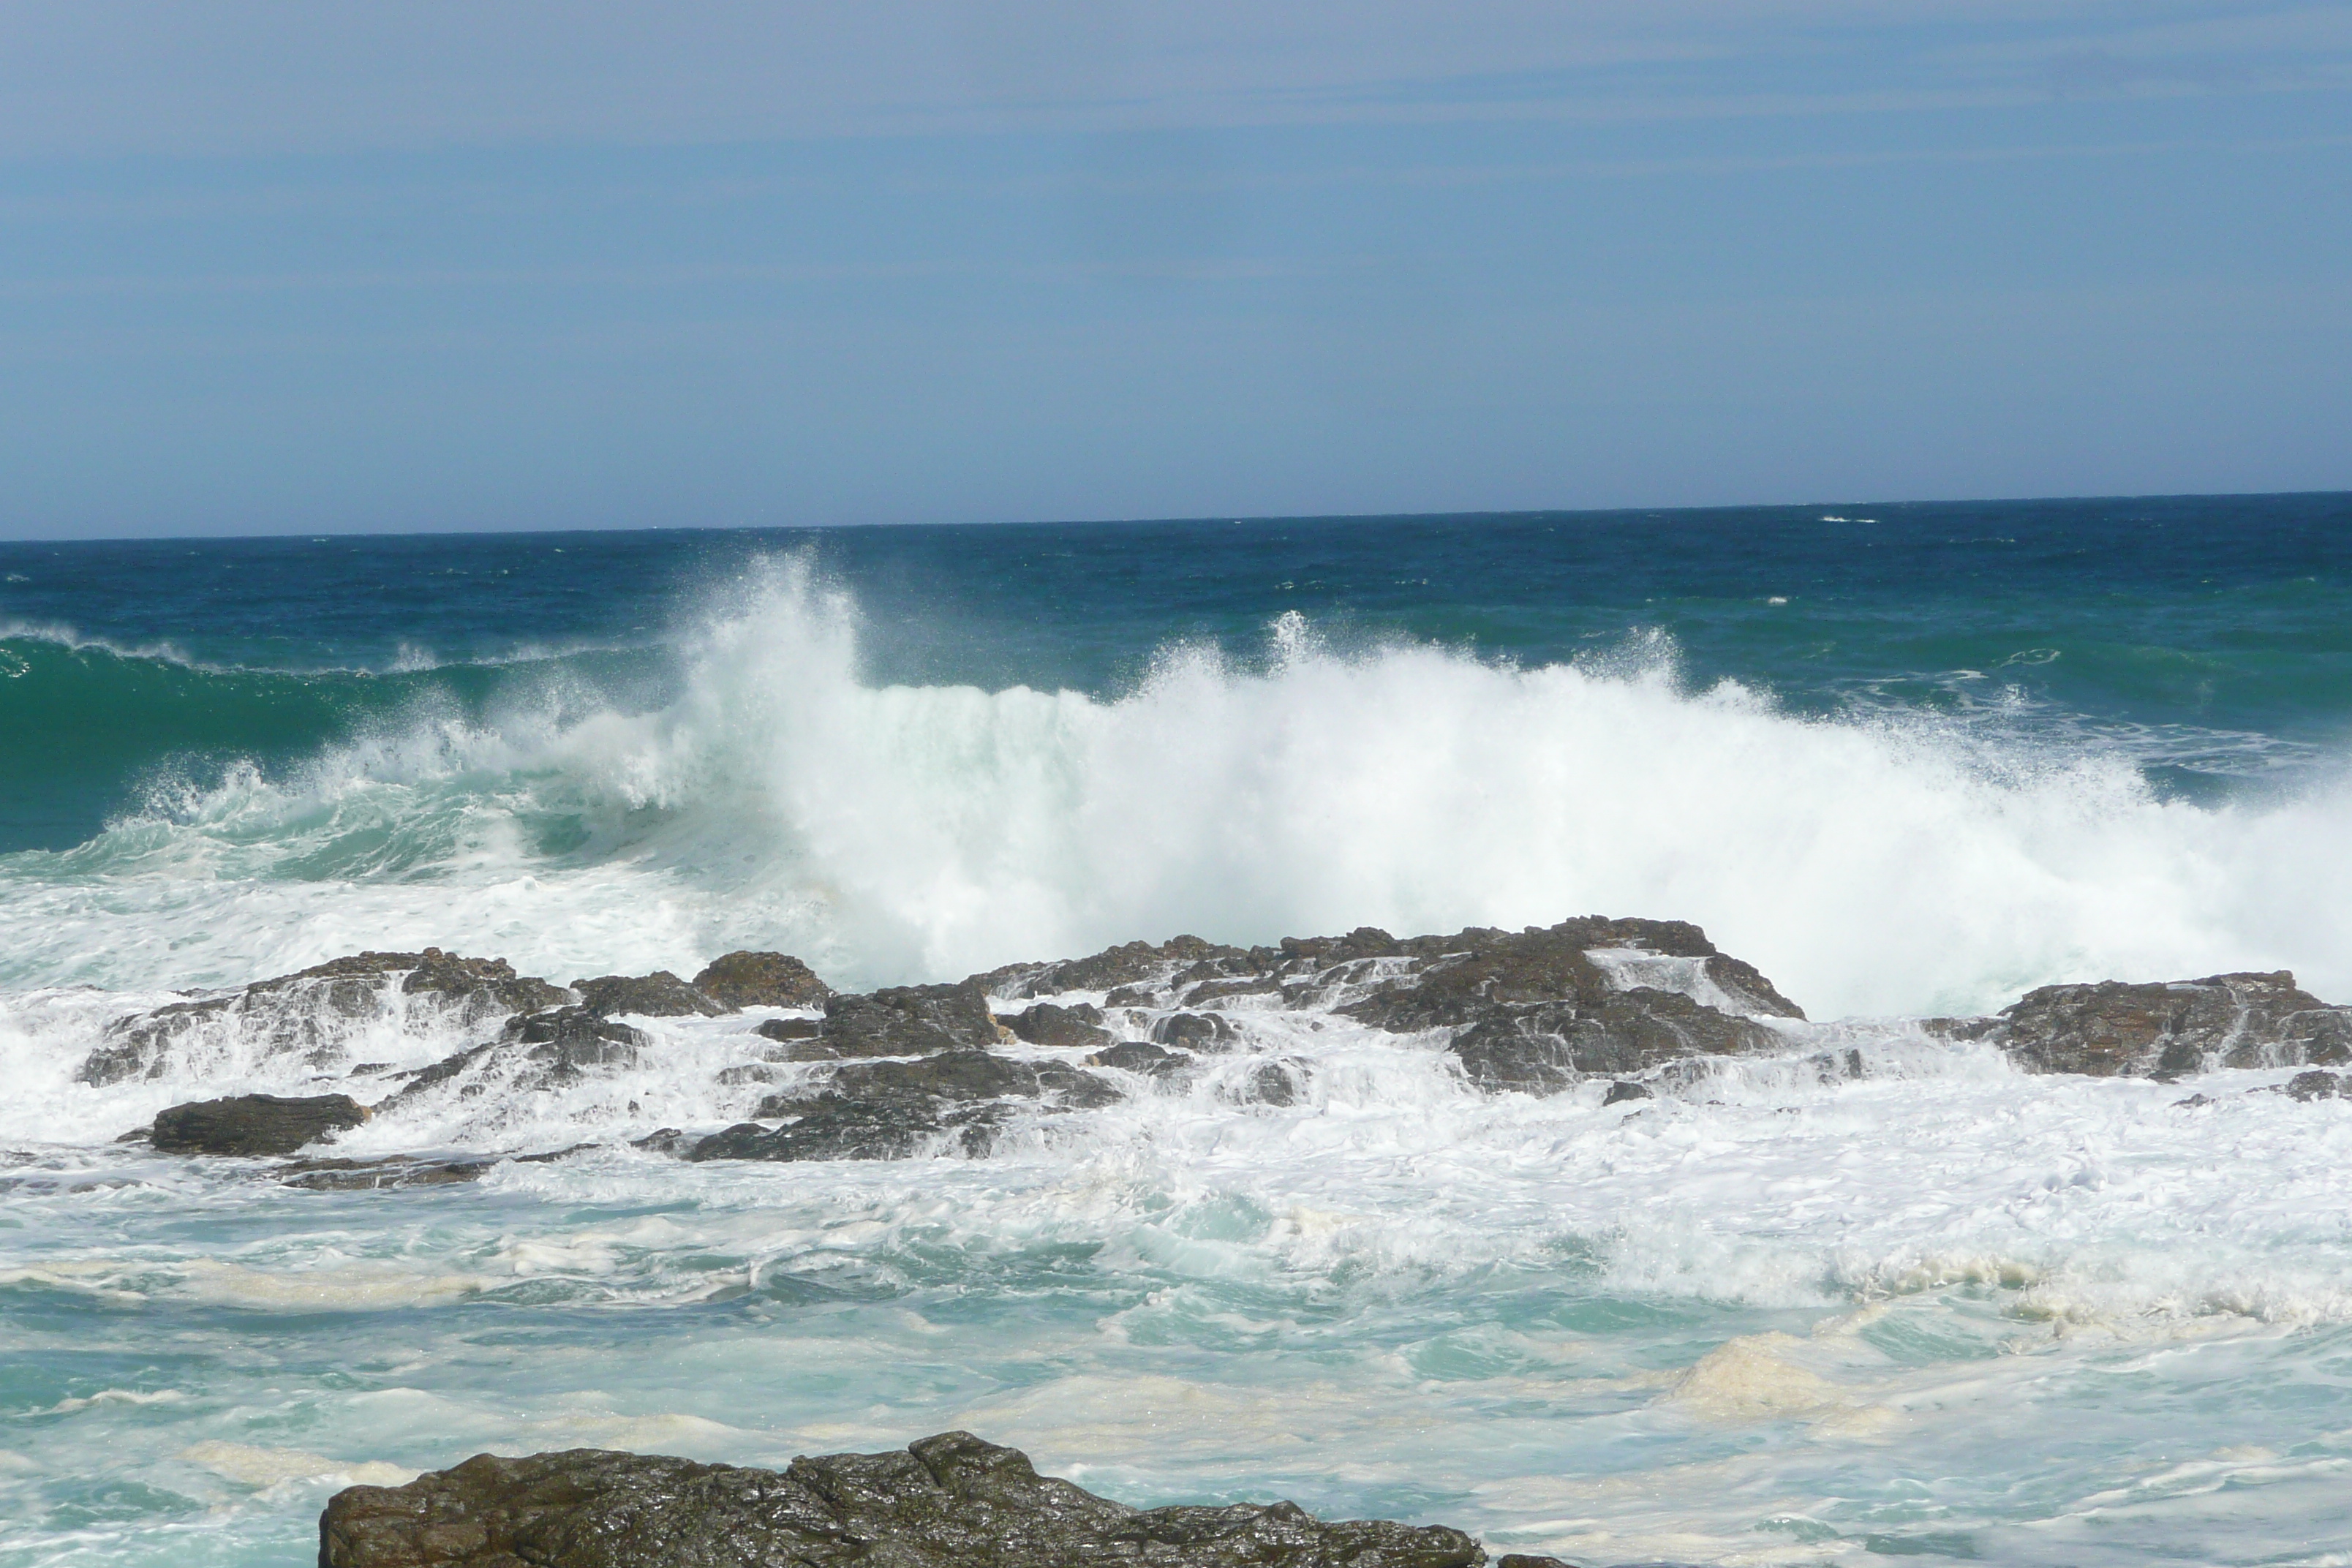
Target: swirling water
1908, 760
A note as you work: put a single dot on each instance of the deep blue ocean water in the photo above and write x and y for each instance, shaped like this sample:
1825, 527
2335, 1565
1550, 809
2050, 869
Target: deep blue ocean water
1910, 759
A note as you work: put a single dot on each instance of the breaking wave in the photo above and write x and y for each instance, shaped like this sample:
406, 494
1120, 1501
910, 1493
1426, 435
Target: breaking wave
765, 792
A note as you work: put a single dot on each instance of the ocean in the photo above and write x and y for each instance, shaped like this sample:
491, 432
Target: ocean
1909, 760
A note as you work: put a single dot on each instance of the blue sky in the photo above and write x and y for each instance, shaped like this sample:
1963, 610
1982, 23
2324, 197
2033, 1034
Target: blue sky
313, 267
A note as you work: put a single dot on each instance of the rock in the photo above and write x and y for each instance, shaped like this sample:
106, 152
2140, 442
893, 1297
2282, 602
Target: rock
365, 1176
254, 1124
2113, 1029
2317, 1086
1282, 1081
1047, 1024
1622, 1090
1135, 1055
948, 1501
787, 1030
310, 1013
908, 1021
1543, 1047
1533, 1010
746, 979
1130, 964
660, 994
1197, 1031
892, 1110
568, 1039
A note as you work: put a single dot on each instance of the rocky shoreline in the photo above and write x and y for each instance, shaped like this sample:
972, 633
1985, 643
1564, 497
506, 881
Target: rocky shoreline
906, 1071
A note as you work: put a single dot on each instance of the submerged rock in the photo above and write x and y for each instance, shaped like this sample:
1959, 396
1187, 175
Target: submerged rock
254, 1124
891, 1110
2112, 1030
660, 994
309, 1012
948, 1501
747, 979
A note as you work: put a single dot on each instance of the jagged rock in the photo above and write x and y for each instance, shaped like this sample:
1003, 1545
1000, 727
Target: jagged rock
568, 1039
1623, 1090
891, 1110
2113, 1029
254, 1124
747, 979
948, 1501
907, 1021
1135, 1055
660, 994
1195, 1031
1533, 1011
787, 1030
1044, 1024
310, 1012
1543, 1047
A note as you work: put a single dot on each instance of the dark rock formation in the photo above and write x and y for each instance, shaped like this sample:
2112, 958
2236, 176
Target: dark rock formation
1529, 1010
568, 1039
908, 1021
2317, 1086
1195, 1031
746, 979
660, 994
948, 1501
1282, 1081
2113, 1029
1130, 963
1532, 1011
1047, 1024
307, 1013
367, 1176
787, 1030
1135, 1055
891, 1110
254, 1124
1622, 1090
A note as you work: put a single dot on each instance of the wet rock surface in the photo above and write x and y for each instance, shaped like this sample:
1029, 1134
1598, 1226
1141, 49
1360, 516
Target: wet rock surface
2113, 1029
660, 994
1044, 1024
908, 1020
747, 979
253, 1124
948, 1501
1534, 1011
307, 1013
891, 1110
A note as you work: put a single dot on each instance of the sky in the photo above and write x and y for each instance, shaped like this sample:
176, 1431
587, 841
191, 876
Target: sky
316, 265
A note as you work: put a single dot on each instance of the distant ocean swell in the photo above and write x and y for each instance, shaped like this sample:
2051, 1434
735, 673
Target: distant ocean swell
748, 784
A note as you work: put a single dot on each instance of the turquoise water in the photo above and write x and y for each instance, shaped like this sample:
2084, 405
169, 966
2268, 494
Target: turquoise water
1909, 760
